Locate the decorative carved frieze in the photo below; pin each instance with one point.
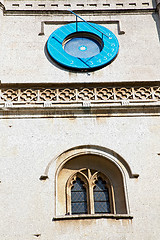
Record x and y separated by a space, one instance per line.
34 95
79 100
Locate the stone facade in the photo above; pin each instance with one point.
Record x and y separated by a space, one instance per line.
55 122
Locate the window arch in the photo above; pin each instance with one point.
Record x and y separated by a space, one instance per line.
89 167
89 191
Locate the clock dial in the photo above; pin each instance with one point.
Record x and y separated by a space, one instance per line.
81 46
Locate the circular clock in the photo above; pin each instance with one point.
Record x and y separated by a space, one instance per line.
82 46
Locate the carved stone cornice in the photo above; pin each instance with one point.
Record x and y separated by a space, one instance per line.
80 99
48 7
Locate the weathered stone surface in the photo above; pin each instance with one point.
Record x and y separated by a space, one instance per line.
44 127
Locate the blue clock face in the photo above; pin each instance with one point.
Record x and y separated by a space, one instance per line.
83 46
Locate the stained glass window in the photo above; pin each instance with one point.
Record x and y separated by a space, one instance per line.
78 197
101 197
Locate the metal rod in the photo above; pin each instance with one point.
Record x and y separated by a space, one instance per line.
77 16
76 25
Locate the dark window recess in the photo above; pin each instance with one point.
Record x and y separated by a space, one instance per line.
78 198
101 197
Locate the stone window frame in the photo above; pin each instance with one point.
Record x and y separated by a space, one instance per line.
89 180
109 162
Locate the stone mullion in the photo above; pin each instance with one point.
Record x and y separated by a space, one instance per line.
91 198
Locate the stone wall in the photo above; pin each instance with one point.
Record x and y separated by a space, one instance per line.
50 115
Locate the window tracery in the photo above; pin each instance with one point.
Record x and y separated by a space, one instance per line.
89 192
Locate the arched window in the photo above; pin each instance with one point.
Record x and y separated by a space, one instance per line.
101 197
100 177
89 191
78 197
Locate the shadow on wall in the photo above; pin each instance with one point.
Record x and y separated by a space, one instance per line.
51 60
54 63
157 21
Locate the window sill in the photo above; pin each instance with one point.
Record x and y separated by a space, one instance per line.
93 216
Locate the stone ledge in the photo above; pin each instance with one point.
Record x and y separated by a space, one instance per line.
81 112
62 5
93 216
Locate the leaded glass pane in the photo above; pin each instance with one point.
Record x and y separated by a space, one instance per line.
79 208
78 198
101 207
100 185
101 197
